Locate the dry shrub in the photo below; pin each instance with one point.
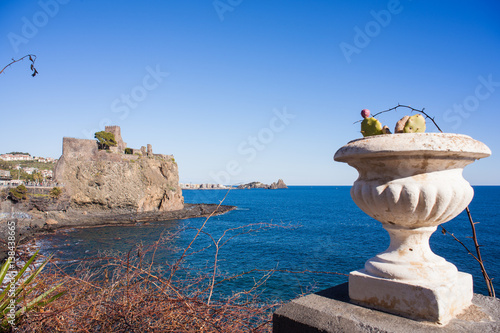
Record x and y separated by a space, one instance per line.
133 293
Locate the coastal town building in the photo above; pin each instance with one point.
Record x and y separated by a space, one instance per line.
16 157
11 183
48 174
5 175
29 168
27 157
45 159
30 171
191 186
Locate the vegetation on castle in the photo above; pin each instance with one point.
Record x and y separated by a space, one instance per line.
105 140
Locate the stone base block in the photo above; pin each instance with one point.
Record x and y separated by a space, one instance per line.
331 311
436 301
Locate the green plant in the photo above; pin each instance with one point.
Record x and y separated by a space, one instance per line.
18 153
371 126
37 177
16 297
19 193
105 139
18 174
55 192
415 124
129 151
365 113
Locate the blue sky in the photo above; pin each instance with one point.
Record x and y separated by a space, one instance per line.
247 90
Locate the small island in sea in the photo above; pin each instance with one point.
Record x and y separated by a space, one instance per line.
280 184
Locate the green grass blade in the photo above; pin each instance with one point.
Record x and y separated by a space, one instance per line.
3 271
38 300
34 274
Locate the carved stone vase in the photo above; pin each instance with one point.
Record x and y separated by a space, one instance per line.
412 183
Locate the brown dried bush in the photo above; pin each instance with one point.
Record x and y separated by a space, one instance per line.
130 293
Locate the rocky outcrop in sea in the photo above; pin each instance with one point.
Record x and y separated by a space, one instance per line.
276 185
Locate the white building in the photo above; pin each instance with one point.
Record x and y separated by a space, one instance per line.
30 171
16 157
47 173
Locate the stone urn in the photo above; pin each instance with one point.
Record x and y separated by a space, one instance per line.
412 183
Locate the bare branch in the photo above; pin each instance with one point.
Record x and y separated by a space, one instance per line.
487 279
196 236
31 57
412 110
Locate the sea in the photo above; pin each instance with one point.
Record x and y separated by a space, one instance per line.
308 237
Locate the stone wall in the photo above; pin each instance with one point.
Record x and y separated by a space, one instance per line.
79 148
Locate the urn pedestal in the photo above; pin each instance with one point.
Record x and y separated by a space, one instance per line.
411 183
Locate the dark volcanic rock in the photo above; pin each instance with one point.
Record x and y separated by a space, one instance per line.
279 184
253 185
28 224
273 186
47 204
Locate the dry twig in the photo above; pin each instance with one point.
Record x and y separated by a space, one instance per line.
31 57
412 110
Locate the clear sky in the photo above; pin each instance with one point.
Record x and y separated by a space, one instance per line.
245 91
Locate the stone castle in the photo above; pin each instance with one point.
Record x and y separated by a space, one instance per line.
86 149
115 130
138 180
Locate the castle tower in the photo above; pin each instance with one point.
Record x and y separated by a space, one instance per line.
118 137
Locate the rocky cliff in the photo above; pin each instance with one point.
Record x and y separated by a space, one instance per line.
103 180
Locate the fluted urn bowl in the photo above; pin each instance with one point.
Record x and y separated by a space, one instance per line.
412 179
412 182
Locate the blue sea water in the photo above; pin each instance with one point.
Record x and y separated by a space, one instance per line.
325 232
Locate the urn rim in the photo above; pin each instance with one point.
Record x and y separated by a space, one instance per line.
439 144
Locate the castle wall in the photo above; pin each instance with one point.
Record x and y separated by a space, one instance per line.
79 148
